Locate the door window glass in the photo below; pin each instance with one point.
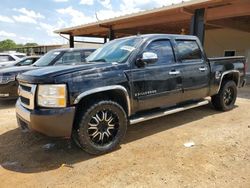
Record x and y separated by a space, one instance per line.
188 50
163 49
26 62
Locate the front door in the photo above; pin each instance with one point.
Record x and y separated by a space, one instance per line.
158 84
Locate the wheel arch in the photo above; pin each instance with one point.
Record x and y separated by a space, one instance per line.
233 75
116 92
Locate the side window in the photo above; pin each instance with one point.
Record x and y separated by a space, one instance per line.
69 58
85 54
11 58
26 62
188 50
163 49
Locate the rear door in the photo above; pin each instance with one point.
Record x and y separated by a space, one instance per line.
194 69
158 84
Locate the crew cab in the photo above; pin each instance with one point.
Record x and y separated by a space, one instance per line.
127 81
8 82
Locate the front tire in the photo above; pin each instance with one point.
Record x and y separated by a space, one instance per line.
101 127
225 99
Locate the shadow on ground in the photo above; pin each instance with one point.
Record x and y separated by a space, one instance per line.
244 92
6 104
24 152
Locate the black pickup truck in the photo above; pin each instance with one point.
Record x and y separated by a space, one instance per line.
127 81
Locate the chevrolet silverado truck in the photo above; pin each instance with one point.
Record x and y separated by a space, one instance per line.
127 81
9 84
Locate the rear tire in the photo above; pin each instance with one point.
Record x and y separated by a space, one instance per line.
225 99
101 127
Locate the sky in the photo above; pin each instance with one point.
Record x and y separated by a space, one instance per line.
35 20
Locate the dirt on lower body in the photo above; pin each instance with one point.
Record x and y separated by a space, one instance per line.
196 148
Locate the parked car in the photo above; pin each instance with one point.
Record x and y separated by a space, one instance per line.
21 62
127 81
9 84
10 57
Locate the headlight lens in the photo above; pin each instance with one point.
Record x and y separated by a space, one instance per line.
52 96
4 79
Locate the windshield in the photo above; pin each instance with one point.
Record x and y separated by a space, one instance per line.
48 58
115 51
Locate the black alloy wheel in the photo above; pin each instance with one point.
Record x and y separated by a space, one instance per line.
101 127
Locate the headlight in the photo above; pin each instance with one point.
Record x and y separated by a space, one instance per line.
4 79
52 96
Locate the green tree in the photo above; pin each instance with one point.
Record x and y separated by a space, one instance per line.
31 44
7 45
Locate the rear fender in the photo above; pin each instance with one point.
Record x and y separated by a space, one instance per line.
235 77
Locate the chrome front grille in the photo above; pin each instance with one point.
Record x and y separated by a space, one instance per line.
27 95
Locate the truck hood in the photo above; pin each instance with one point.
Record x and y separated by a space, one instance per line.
48 74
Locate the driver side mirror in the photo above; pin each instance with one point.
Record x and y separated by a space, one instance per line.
147 58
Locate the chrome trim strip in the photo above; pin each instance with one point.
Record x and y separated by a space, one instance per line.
225 58
106 88
22 112
24 93
168 112
29 95
228 72
174 72
203 68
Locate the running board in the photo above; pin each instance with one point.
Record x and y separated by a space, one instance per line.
167 112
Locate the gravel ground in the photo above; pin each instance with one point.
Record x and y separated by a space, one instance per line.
152 154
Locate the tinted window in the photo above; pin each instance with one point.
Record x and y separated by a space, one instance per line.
87 53
188 50
26 62
11 58
70 58
163 49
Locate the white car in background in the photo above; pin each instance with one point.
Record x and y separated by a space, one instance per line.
25 61
8 58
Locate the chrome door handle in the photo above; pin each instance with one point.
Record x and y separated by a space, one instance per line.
202 68
174 72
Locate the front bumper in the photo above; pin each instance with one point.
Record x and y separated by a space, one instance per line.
8 91
50 122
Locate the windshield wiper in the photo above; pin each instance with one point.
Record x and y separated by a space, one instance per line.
98 60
